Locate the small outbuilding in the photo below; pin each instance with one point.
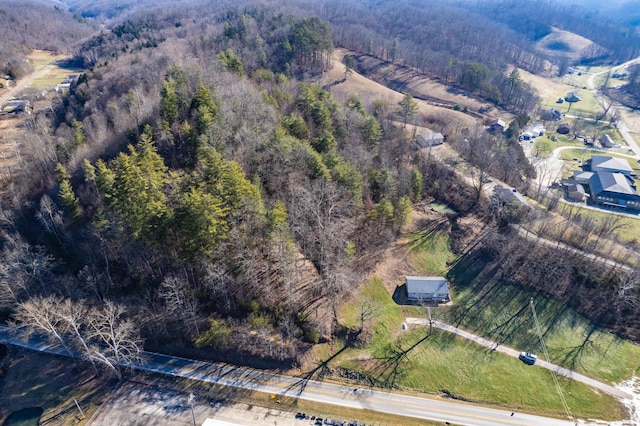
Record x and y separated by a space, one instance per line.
572 97
496 124
606 141
575 192
428 289
563 129
551 114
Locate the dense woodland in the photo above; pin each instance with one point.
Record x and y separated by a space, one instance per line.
42 27
196 192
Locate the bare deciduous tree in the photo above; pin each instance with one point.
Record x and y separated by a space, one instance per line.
116 339
180 301
40 314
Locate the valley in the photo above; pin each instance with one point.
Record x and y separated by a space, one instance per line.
223 185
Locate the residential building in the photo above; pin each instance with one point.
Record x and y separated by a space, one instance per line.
431 289
572 97
425 140
603 163
614 189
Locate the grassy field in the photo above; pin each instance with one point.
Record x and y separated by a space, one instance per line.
40 59
444 364
503 313
441 363
568 154
587 106
431 251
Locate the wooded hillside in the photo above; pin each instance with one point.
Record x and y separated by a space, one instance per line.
196 190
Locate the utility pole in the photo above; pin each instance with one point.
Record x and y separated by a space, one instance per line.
79 409
191 398
546 355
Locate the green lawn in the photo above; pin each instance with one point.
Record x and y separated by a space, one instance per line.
388 315
430 249
503 313
568 154
443 363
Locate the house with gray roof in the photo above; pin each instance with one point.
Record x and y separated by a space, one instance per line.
428 289
425 140
614 189
582 177
603 163
572 97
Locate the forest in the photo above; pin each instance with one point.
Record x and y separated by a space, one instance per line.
197 193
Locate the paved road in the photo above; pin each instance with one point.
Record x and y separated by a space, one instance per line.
23 83
362 398
515 353
622 128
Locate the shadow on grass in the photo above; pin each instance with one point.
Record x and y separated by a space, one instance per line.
389 367
426 238
487 302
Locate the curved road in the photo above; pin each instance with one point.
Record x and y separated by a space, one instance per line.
246 378
514 353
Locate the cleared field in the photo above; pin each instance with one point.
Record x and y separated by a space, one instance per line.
563 43
438 362
56 73
368 91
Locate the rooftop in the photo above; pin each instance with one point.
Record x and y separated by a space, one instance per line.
609 164
427 284
611 182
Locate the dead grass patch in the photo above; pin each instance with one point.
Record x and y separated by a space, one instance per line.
368 91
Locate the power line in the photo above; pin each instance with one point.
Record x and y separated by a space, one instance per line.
546 357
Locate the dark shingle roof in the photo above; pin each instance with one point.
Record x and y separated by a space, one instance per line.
611 182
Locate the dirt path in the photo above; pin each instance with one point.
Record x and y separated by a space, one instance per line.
495 346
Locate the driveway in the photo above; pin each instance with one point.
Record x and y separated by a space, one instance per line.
424 322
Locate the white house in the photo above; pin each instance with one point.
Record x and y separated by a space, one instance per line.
435 289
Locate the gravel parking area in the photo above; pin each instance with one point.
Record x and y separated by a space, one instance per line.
139 404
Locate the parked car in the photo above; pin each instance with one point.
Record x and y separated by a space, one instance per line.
528 358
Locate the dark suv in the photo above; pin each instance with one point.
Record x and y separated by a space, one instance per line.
528 358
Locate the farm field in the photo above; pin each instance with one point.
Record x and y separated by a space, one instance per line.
58 71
